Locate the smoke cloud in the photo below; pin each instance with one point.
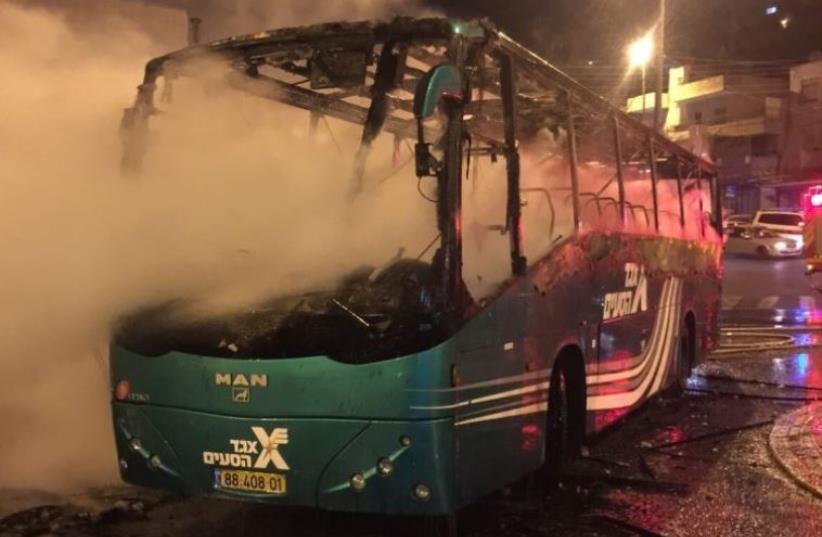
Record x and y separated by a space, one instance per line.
234 202
59 103
222 18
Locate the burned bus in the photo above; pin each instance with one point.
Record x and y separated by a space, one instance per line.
555 264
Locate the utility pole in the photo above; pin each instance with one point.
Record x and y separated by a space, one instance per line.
659 122
644 91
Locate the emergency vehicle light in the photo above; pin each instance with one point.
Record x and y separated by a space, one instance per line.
816 199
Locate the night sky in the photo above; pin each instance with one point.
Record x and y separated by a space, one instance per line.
572 31
575 31
587 38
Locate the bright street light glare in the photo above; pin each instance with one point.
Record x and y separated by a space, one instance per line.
641 51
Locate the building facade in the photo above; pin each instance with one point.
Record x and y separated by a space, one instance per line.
806 119
764 133
737 121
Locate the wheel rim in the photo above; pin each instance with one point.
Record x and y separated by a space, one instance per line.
558 422
562 416
687 347
684 361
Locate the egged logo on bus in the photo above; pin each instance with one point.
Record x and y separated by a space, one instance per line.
241 384
633 299
265 447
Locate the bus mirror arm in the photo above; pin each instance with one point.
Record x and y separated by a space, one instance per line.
442 84
426 164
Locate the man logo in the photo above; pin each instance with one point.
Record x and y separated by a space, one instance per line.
269 444
227 379
241 384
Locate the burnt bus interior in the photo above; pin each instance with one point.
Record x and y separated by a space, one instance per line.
513 154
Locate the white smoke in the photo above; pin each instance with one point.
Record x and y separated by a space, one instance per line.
230 17
233 202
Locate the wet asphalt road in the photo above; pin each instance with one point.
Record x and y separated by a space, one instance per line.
693 465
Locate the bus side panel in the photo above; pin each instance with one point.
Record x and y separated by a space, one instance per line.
631 328
490 368
707 297
503 382
640 354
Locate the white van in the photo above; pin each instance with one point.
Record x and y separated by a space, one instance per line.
783 223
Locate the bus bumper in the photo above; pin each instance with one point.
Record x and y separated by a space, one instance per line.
391 467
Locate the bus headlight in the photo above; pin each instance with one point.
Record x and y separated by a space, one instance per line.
422 492
135 445
357 482
385 466
154 462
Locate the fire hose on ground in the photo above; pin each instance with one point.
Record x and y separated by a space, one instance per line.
742 339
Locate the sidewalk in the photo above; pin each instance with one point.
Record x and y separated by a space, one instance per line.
796 442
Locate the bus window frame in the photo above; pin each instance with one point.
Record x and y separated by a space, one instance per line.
623 215
449 194
545 73
680 192
572 160
701 205
508 90
716 201
654 178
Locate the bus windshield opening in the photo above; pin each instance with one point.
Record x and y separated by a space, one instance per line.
345 260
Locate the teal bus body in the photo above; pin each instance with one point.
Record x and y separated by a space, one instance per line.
467 436
577 336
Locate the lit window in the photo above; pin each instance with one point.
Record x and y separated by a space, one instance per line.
810 89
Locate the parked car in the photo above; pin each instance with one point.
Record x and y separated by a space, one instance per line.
736 220
762 242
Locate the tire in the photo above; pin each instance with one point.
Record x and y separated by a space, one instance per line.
563 432
763 253
441 526
687 355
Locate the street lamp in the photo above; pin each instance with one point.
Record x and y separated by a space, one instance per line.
640 53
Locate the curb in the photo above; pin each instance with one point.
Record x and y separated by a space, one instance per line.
797 449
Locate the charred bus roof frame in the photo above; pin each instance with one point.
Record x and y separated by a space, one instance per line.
249 47
461 40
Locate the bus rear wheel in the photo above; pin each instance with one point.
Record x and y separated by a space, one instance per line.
687 352
563 438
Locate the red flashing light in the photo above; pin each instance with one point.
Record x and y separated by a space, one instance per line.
812 200
122 390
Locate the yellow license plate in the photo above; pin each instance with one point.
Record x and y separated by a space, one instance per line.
246 481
